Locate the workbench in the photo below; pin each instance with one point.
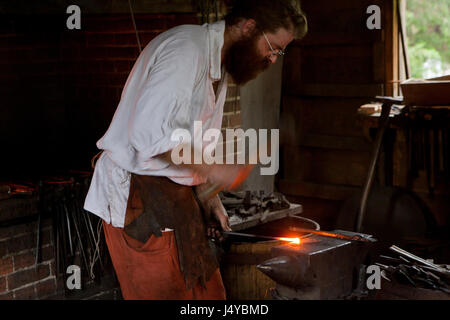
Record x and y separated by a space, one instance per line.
415 152
399 168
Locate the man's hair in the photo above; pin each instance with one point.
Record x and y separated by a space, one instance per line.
270 15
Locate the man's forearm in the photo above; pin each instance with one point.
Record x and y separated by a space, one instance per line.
210 203
220 176
198 168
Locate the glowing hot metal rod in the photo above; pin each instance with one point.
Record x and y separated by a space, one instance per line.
247 235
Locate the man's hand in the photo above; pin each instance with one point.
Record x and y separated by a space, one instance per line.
220 214
214 212
222 218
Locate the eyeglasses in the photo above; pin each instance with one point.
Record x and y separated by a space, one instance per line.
278 52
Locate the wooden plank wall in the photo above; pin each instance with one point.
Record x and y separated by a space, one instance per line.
328 75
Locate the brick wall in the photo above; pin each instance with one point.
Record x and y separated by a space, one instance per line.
24 277
20 277
232 108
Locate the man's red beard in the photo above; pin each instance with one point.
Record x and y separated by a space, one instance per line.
243 62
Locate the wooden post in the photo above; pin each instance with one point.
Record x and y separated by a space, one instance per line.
390 31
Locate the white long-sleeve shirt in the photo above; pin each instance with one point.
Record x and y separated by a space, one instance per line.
169 87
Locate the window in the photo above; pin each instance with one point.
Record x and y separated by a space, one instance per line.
428 37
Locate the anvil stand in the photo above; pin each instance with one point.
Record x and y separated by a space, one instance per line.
386 108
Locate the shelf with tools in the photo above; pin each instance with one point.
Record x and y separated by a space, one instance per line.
419 144
415 156
238 223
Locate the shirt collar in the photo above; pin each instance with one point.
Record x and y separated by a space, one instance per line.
216 33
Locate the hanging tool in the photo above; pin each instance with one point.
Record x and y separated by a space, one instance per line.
388 102
134 25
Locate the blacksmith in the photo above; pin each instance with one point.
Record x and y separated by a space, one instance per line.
155 223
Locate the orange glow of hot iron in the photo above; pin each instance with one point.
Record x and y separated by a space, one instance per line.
291 240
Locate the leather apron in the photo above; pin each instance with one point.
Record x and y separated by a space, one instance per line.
157 203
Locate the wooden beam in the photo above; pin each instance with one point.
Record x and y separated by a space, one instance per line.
390 29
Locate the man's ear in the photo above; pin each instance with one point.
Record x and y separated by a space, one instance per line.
248 27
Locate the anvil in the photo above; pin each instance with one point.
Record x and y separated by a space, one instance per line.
318 268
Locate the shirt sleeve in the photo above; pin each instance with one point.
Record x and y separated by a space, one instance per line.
163 103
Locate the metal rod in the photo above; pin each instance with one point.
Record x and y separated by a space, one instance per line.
66 212
134 25
78 235
418 259
91 237
38 233
248 235
88 217
334 235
